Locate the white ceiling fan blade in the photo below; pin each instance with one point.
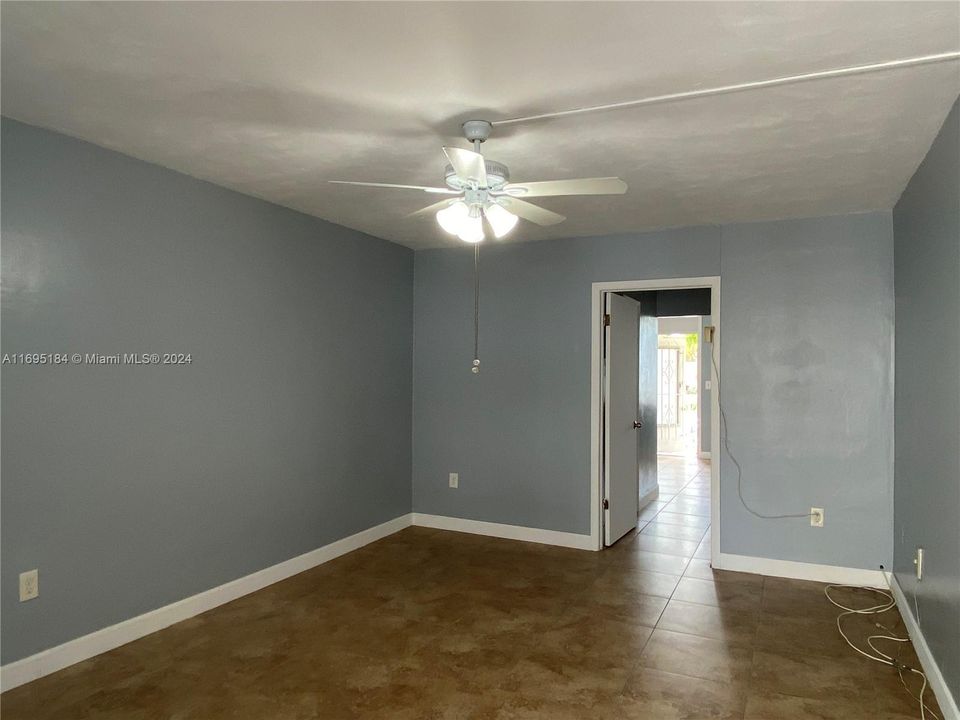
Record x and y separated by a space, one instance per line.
468 165
439 191
531 212
432 208
580 186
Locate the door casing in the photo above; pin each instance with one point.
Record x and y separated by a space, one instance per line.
597 291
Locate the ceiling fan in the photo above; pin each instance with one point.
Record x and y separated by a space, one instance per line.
483 191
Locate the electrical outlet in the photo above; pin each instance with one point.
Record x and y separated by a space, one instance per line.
454 480
708 385
29 585
816 517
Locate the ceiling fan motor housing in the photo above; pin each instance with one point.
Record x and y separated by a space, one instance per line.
497 176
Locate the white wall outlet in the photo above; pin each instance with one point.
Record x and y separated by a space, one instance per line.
816 517
454 480
29 585
708 385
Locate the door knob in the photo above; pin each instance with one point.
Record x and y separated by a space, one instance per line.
637 424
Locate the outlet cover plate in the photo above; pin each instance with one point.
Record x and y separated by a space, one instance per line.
454 480
816 517
29 585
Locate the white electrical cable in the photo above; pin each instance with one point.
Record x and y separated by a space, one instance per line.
741 87
733 459
889 603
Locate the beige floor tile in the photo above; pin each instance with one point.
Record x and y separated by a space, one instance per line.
665 545
679 519
677 532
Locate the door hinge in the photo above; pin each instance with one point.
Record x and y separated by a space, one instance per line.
606 320
606 504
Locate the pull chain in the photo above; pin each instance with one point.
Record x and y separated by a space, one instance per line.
476 309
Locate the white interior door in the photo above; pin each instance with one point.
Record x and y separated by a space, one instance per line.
621 415
647 403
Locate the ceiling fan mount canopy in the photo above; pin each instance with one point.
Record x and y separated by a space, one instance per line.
474 130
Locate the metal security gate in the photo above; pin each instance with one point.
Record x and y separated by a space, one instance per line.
669 371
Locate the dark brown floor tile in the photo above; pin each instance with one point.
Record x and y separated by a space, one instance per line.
734 596
797 598
667 696
702 570
650 562
697 657
618 579
892 698
810 676
802 635
774 706
625 606
737 627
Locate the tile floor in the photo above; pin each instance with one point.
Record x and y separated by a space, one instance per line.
433 624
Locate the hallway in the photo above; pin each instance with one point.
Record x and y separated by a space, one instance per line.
677 522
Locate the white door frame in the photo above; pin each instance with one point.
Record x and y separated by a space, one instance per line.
700 368
596 418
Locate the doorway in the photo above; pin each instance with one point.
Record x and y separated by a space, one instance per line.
683 419
659 398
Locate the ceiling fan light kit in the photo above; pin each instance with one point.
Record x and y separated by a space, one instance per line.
485 198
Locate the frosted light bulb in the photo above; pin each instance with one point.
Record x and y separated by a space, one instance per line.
471 229
500 219
451 218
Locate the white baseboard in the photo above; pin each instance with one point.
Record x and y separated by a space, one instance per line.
510 532
100 641
948 703
803 571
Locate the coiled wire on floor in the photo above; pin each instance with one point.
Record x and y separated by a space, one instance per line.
874 653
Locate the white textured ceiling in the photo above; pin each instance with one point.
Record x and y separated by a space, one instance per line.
273 99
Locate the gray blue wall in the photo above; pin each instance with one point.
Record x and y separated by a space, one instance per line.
806 343
519 432
811 298
926 224
132 487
